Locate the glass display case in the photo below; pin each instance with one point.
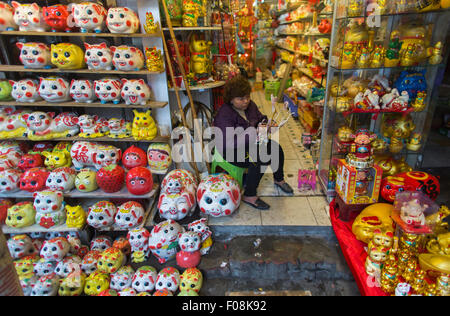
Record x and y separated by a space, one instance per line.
385 57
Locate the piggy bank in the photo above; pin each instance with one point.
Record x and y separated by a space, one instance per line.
29 161
139 181
122 279
54 89
13 124
48 201
5 89
129 215
135 92
44 267
189 256
110 260
43 126
374 217
159 157
168 279
7 22
46 286
85 181
218 195
55 249
163 240
82 91
177 181
94 154
58 17
144 279
20 246
101 214
34 55
9 180
191 280
101 243
25 90
411 82
96 283
76 216
5 204
98 56
89 262
29 17
61 179
33 179
69 264
200 226
144 126
134 157
127 58
89 16
123 244
26 282
67 56
122 20
138 239
21 215
119 128
59 156
73 285
90 126
108 90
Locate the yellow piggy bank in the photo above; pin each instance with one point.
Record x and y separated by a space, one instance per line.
67 56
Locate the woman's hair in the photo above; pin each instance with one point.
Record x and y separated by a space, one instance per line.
236 87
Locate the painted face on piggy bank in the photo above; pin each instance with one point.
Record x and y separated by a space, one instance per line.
101 214
21 215
85 181
96 283
191 280
122 20
168 279
89 263
58 18
67 56
29 161
108 90
25 90
48 201
33 179
54 89
129 215
218 195
55 249
127 58
163 240
176 206
134 157
139 181
72 285
44 267
110 260
20 246
89 16
5 90
9 180
34 55
98 56
29 17
61 179
82 90
135 91
7 13
46 286
144 279
190 241
122 279
159 157
69 264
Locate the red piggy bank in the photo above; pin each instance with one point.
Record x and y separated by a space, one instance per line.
134 157
324 26
139 181
58 18
33 179
29 161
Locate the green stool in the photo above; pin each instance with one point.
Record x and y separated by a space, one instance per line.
235 172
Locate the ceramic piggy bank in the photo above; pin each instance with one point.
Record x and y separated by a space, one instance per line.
20 246
110 260
29 161
29 17
129 215
96 283
7 17
82 90
200 227
159 156
119 128
73 285
127 58
94 154
89 16
90 126
163 240
144 126
138 239
168 279
76 216
5 92
85 181
58 17
218 195
44 267
101 243
54 89
25 90
69 264
122 20
43 126
9 180
61 179
34 55
191 280
98 56
108 90
55 249
21 215
46 286
144 279
189 256
67 56
59 156
101 214
122 279
135 91
89 262
139 181
33 179
49 206
134 157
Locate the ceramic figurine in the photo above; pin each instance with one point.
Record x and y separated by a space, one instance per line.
108 90
134 157
89 263
5 89
138 239
85 180
375 258
139 181
175 8
68 265
44 267
191 280
110 178
7 22
168 279
25 90
135 92
46 286
436 55
13 124
144 279
89 16
369 100
55 249
54 89
98 56
123 244
101 214
29 161
122 20
82 91
122 279
411 82
395 101
73 285
26 282
34 55
58 17
21 215
33 179
348 56
218 195
59 157
101 243
61 179
200 227
419 102
20 246
67 56
119 128
200 65
377 57
144 126
76 216
9 180
154 60
127 58
392 58
191 12
129 215
159 157
414 142
402 289
29 17
96 283
49 206
150 26
163 240
412 213
94 154
189 256
90 126
110 261
43 126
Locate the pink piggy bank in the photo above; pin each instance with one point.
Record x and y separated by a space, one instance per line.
89 16
94 154
54 89
34 55
29 17
82 91
122 20
98 56
25 90
127 58
135 91
7 17
108 90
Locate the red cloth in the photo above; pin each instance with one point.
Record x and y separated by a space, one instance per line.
354 253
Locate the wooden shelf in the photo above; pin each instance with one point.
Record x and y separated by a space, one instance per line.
20 68
317 80
79 34
36 228
209 85
149 105
157 139
196 28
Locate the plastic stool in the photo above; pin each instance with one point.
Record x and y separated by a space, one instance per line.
236 173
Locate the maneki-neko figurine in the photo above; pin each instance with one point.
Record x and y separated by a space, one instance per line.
154 60
150 26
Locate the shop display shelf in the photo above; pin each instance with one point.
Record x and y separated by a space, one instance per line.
288 49
303 34
344 17
307 18
149 105
80 34
157 139
350 70
209 85
195 28
321 82
20 68
36 228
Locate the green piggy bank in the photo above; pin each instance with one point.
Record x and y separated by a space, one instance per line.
5 91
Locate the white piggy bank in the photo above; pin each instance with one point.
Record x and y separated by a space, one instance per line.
54 89
34 55
108 90
61 179
98 56
9 180
89 16
129 215
7 17
47 285
127 58
135 91
122 20
163 240
94 154
55 249
82 90
29 17
25 90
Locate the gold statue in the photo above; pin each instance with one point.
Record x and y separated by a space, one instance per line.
442 285
436 220
418 283
150 26
436 55
419 103
389 272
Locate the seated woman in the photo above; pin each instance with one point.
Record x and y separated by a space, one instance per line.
238 120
